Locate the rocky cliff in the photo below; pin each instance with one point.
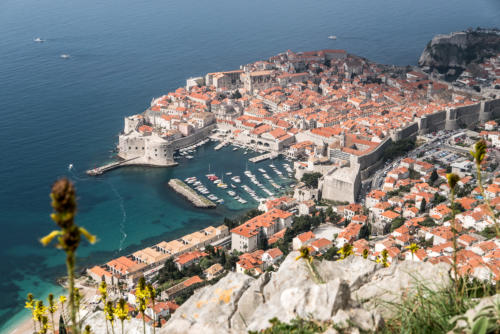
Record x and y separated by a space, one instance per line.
351 296
459 49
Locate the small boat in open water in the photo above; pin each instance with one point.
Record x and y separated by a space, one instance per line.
65 56
332 37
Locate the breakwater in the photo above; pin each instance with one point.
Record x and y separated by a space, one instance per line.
196 199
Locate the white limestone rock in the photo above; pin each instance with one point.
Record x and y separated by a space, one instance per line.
389 284
211 308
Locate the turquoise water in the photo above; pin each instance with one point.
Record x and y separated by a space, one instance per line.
123 53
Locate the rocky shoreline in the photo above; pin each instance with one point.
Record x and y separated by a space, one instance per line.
196 199
451 54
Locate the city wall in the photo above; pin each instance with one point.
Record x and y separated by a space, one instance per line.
192 139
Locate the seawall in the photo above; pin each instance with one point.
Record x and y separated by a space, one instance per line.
196 199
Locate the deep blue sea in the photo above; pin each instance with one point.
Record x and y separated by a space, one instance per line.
57 111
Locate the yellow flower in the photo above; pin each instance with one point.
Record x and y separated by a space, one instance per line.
62 299
87 330
121 310
52 306
110 312
413 248
365 253
452 180
345 251
90 237
48 238
29 301
480 152
305 254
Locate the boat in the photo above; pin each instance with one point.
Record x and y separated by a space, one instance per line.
233 186
189 157
235 149
65 56
38 40
229 173
332 37
70 166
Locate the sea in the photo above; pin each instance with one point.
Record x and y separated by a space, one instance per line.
58 111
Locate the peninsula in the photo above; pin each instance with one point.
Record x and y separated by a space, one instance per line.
373 147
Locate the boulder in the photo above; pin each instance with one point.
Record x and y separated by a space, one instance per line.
211 308
389 284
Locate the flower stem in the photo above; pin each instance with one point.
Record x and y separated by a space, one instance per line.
70 264
486 200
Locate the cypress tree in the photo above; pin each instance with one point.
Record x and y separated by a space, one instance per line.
62 327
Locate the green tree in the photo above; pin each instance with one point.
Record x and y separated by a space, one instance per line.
434 176
397 222
311 179
423 205
62 327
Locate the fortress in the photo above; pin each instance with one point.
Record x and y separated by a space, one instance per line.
152 147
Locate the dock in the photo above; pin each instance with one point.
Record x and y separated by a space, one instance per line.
263 157
221 145
196 199
112 165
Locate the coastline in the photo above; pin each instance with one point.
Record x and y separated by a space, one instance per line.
24 322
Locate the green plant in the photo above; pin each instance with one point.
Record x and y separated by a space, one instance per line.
63 197
486 321
296 326
52 309
305 254
424 310
479 154
345 251
121 311
452 182
151 292
142 295
413 248
30 305
103 292
109 311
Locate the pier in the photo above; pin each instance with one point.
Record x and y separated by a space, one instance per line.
263 157
196 199
108 167
221 145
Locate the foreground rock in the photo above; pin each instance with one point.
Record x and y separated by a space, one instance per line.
353 288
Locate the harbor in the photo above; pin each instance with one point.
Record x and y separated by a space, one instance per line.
247 185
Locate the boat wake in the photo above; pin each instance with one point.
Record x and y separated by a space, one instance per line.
123 234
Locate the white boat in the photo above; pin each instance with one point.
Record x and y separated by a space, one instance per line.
332 37
262 170
229 173
233 186
70 166
65 56
189 157
38 40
